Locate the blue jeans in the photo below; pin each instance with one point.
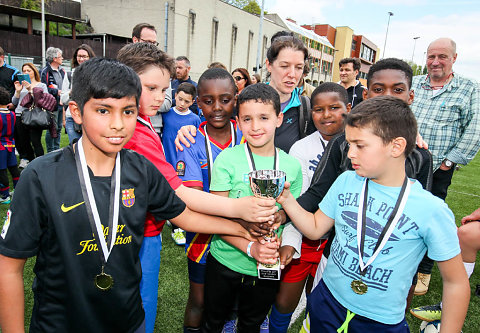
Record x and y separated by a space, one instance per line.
72 134
54 143
150 262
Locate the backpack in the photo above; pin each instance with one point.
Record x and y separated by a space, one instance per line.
304 117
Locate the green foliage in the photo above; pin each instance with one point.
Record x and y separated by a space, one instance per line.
64 29
238 3
83 28
252 7
31 4
417 69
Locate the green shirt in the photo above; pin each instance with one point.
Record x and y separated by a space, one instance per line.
230 173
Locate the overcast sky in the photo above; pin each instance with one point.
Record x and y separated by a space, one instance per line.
427 19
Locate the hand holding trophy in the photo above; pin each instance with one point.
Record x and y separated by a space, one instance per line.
268 184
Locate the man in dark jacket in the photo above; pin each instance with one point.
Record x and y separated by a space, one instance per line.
8 74
52 75
349 69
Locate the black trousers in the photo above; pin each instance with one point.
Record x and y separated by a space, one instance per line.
222 288
441 181
28 140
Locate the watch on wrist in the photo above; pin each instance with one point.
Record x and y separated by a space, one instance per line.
448 163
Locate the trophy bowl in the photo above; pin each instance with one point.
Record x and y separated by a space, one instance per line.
267 183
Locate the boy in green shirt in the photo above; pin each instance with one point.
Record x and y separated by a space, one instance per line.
232 263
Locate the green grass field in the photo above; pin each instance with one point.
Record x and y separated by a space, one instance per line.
463 198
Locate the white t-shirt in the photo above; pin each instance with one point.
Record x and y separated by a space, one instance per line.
308 151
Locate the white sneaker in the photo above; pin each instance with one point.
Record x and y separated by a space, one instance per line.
23 163
5 200
178 236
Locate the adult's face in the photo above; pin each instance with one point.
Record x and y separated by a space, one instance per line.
58 59
181 70
286 70
82 56
146 36
440 59
347 73
2 60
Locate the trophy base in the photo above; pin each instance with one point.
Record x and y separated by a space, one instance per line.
269 272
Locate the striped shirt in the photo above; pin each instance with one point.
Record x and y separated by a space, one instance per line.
448 119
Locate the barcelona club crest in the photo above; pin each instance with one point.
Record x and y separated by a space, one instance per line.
128 197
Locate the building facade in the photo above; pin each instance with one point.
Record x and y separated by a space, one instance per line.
204 31
348 45
320 50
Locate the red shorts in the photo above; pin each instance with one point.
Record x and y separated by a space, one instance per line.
307 264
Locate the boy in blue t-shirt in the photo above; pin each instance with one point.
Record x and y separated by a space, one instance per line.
382 230
231 272
216 97
178 116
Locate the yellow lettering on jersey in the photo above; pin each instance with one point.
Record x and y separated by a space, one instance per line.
90 245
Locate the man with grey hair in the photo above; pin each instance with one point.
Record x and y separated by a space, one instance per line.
447 108
52 75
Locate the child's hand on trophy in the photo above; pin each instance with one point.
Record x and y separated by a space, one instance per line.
286 195
266 253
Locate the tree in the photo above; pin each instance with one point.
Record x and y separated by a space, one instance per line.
417 69
238 3
252 7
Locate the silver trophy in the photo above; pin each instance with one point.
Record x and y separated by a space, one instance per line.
268 184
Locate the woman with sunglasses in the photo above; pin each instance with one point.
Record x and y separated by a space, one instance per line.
242 79
82 53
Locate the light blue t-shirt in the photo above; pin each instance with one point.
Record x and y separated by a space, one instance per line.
426 223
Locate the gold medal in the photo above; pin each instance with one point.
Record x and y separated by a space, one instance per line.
359 287
103 281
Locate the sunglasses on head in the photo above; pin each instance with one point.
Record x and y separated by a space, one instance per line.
238 78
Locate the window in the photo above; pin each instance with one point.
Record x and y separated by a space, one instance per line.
213 48
354 45
233 44
250 39
367 53
190 30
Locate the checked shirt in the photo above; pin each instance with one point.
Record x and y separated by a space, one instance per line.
448 119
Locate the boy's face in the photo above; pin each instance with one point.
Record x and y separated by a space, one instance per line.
327 113
258 122
183 101
216 98
370 156
107 123
389 82
155 82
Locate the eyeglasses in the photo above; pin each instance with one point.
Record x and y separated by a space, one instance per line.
83 57
238 78
149 41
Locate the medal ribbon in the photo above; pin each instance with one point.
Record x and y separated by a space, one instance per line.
387 230
251 161
208 149
92 212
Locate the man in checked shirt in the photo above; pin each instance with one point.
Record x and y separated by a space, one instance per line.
447 108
